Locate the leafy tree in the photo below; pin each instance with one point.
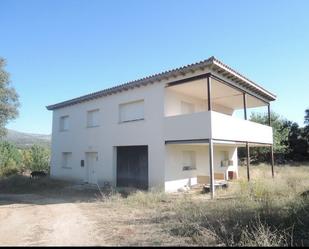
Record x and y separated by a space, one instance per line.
36 158
280 130
306 117
296 142
10 159
9 152
280 135
8 99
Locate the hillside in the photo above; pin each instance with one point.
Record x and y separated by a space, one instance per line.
23 140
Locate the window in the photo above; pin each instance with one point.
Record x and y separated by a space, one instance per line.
186 108
188 160
64 123
66 159
93 118
225 159
131 111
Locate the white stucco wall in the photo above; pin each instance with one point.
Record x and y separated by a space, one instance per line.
176 178
233 128
188 126
80 139
173 101
161 123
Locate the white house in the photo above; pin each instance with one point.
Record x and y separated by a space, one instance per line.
168 130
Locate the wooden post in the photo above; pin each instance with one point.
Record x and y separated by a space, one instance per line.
268 109
245 105
211 170
209 93
248 161
272 162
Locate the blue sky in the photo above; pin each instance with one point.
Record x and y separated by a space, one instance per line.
57 50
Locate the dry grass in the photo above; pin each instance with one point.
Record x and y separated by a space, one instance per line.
20 184
263 212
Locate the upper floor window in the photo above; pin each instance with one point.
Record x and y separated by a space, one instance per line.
64 123
131 111
186 107
93 118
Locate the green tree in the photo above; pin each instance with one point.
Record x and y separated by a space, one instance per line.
280 135
36 158
296 142
8 99
10 159
280 130
306 117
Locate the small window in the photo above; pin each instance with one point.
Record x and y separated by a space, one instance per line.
64 123
188 160
93 118
186 107
131 111
66 160
224 155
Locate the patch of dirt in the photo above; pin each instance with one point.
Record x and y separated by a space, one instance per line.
35 220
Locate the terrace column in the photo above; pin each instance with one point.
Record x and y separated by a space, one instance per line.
211 150
272 147
245 105
209 93
272 162
268 110
248 161
211 169
247 144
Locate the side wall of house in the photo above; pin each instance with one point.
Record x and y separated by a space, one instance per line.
110 133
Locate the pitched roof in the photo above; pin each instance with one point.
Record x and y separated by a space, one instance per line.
212 62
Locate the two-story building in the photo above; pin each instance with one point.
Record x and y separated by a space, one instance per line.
169 130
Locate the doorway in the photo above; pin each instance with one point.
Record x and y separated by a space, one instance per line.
91 167
132 166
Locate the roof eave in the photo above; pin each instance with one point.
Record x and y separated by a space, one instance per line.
211 62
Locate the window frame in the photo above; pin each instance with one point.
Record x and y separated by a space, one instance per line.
61 123
87 120
184 103
128 103
67 165
194 164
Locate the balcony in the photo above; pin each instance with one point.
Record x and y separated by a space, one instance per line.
200 109
215 125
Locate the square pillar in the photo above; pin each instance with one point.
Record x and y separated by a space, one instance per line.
272 161
211 169
248 161
209 93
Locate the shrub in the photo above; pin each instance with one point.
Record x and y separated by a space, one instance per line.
10 159
36 158
9 168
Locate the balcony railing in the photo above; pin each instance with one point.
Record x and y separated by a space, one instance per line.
211 124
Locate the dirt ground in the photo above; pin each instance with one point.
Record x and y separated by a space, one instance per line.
33 220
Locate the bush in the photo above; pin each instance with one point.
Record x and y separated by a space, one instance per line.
15 161
36 158
9 168
10 159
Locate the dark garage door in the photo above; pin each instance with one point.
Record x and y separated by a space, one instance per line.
132 166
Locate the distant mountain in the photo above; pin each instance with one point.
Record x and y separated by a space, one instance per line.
23 140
